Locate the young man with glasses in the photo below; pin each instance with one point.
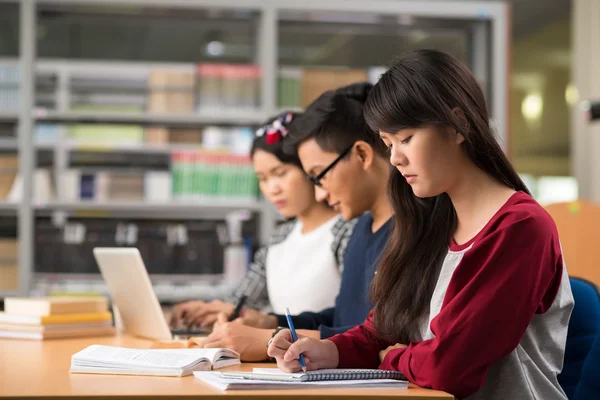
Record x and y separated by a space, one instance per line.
349 166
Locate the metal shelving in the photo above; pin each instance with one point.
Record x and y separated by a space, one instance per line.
12 144
200 209
8 116
484 41
8 207
217 117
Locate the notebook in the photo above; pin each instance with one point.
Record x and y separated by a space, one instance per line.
97 359
273 378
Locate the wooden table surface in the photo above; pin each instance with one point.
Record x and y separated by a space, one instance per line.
35 369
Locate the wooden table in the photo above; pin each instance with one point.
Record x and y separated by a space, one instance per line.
35 369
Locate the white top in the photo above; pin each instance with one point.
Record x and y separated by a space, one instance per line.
302 273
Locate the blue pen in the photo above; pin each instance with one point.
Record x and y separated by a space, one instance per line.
294 336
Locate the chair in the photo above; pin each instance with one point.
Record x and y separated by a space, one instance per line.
584 327
589 384
578 226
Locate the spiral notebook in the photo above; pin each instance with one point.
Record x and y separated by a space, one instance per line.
273 378
327 375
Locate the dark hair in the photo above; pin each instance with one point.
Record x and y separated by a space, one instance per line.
426 87
335 120
260 141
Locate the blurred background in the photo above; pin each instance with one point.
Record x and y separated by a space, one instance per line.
128 123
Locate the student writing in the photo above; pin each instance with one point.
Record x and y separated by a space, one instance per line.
349 167
472 295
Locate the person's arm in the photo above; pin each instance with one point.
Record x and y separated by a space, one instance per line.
308 320
502 282
342 231
254 284
328 331
359 347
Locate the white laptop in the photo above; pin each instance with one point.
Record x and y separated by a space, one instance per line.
130 288
131 291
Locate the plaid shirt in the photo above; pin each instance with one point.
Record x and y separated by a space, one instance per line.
254 284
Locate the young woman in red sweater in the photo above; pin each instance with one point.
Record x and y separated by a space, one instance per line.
472 295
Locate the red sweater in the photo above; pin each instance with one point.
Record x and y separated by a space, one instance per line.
492 287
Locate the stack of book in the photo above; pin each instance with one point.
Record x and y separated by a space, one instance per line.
55 317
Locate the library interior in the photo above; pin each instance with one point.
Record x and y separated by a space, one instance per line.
151 226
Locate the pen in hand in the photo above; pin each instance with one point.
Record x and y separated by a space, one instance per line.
288 317
238 308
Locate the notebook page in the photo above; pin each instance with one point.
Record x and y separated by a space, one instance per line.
169 358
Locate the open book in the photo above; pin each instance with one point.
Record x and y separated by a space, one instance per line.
97 359
273 378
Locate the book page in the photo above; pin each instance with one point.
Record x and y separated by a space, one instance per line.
171 358
277 371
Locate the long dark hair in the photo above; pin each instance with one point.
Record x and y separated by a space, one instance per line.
261 138
336 121
426 87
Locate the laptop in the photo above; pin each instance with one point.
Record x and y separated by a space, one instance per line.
130 288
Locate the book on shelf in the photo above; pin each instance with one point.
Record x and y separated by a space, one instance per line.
171 90
298 87
9 167
185 136
315 81
101 186
9 87
124 187
289 87
46 306
160 135
47 133
9 264
42 183
97 359
157 186
227 86
198 175
105 134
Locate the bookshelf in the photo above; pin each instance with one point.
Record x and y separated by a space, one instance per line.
231 117
158 95
9 117
8 207
217 209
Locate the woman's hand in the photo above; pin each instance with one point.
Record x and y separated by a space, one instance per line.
318 354
383 353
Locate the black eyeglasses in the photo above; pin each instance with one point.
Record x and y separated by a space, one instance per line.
316 180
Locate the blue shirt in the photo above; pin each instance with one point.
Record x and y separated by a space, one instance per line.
352 306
